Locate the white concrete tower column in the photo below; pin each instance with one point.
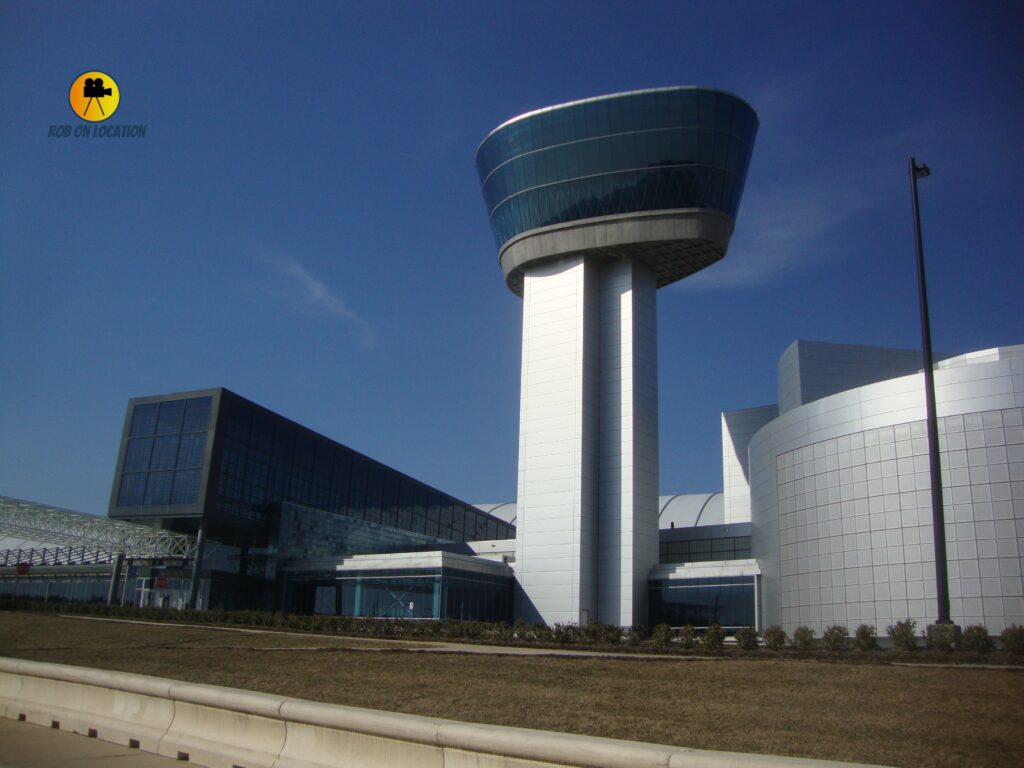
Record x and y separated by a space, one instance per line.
594 204
628 467
558 445
587 530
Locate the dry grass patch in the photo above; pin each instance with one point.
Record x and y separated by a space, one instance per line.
864 713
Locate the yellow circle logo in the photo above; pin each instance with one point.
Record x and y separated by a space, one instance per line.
94 96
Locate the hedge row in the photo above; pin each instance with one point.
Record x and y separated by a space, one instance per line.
835 639
902 635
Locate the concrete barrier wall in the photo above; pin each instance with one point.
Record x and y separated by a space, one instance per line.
227 728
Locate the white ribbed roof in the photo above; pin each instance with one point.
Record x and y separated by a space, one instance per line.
686 510
681 510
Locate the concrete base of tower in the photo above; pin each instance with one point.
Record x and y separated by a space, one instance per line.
587 530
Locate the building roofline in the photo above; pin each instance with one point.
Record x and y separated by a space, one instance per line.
577 102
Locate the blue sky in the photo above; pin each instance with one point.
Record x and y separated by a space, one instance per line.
303 224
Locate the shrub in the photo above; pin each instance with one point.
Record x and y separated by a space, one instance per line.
746 638
834 637
803 639
506 635
637 634
662 635
775 637
566 633
688 637
942 637
902 635
976 638
604 634
714 638
542 633
866 639
1013 639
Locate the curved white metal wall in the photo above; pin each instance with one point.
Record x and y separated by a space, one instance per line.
841 508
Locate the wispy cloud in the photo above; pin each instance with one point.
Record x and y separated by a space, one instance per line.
787 223
307 293
806 190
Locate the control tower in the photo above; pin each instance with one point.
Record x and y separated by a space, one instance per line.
596 204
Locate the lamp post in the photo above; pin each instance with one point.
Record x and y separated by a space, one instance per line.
938 514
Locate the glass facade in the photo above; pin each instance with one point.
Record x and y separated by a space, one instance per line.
143 587
270 490
643 151
258 459
427 593
73 588
261 458
704 550
305 533
163 458
724 600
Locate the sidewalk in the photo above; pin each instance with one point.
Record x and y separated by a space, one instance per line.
34 746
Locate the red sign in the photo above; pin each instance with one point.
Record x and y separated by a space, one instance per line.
23 569
161 582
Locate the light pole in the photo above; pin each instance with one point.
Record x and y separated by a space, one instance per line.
938 514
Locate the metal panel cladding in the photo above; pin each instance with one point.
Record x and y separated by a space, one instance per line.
661 149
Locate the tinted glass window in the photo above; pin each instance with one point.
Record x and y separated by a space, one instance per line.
389 502
405 505
419 511
180 427
340 483
728 601
186 487
357 492
373 495
197 414
446 519
144 419
158 488
169 420
136 458
133 489
165 452
191 450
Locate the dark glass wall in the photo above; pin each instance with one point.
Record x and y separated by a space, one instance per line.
261 458
643 151
726 600
703 550
468 596
269 489
305 533
258 458
163 457
426 593
392 594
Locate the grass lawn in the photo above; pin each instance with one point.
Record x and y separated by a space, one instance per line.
869 713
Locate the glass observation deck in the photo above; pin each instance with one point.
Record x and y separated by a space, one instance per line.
670 148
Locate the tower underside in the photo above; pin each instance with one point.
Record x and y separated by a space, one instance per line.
671 243
588 441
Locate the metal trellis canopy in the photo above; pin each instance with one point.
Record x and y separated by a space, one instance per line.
94 537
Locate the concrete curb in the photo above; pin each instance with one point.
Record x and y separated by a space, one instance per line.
228 728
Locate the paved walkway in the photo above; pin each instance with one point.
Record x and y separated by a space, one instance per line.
24 745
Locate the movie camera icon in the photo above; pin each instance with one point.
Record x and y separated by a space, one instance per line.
93 90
